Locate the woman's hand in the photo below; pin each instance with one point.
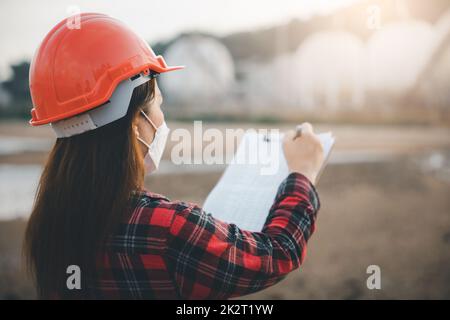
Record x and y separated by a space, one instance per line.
304 154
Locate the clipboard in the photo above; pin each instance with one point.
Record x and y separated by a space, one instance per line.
248 186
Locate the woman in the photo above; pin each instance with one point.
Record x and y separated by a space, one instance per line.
96 85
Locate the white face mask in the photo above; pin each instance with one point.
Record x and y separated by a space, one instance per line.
156 148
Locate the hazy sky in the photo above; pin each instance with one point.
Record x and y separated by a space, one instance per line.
23 23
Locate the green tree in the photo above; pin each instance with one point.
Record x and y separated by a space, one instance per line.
17 87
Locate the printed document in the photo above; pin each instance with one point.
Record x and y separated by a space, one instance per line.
247 188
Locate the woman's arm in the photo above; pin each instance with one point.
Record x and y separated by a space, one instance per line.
211 259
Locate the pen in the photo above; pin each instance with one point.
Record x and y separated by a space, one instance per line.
298 132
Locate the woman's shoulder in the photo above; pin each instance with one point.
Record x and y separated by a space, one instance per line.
155 209
145 226
143 196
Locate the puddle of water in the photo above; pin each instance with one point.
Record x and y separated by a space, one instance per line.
436 163
13 145
17 188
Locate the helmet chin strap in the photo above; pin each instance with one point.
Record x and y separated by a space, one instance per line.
110 111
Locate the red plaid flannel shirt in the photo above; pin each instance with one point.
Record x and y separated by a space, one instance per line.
174 250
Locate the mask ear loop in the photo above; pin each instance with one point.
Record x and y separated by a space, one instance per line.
148 119
142 141
151 122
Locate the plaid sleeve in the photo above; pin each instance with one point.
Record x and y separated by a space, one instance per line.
211 259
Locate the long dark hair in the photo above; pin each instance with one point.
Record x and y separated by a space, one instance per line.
83 194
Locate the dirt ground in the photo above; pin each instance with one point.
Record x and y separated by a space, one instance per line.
388 215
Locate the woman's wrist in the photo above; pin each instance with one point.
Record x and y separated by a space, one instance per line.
309 175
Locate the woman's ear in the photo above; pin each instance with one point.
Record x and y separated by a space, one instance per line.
136 131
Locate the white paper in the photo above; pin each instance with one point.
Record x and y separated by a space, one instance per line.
248 187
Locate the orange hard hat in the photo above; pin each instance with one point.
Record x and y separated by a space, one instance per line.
77 69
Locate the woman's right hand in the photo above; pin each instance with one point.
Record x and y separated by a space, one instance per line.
304 154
